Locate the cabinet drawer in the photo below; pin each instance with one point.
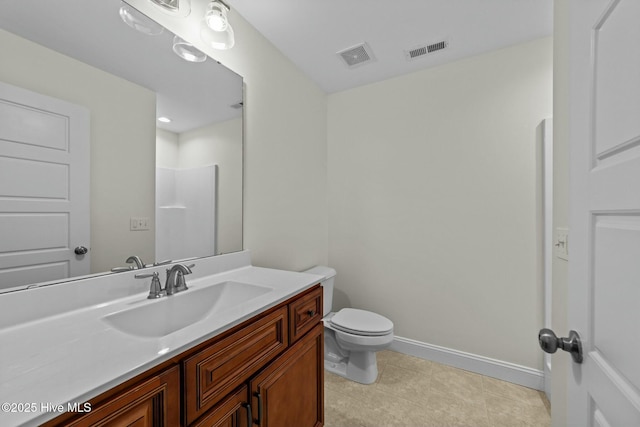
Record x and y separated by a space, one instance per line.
215 371
305 313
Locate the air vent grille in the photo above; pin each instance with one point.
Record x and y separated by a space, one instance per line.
422 50
436 46
357 55
418 52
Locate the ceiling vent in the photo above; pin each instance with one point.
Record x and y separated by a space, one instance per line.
423 50
357 55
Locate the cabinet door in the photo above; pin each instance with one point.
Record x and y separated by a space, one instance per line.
233 411
216 371
290 391
154 402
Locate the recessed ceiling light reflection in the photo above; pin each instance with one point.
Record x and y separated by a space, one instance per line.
164 119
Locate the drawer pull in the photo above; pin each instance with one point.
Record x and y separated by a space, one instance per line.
249 414
259 420
311 313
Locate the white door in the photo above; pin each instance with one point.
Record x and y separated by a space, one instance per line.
547 238
44 188
604 267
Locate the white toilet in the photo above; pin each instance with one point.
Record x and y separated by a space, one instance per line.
351 336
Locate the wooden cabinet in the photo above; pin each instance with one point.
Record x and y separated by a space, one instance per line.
153 402
286 391
215 371
290 391
305 313
265 372
232 411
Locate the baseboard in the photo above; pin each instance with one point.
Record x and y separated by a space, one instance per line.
521 375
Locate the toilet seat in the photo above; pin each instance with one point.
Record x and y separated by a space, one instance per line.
361 322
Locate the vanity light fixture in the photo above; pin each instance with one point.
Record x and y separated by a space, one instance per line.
180 8
215 29
187 51
138 21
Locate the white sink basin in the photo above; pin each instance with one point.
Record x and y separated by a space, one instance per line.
171 313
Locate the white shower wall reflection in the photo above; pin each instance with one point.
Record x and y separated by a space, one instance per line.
185 212
198 173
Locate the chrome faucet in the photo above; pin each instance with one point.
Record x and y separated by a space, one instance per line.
135 259
175 278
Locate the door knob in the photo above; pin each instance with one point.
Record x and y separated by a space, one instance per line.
549 342
80 250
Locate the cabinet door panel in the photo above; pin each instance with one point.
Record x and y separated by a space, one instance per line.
153 403
216 371
290 391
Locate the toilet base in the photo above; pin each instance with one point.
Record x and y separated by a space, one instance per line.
360 367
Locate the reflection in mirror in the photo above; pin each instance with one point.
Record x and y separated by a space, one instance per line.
158 191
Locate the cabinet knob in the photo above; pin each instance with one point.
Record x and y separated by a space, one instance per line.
311 313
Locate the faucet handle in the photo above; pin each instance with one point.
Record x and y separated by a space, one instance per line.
155 291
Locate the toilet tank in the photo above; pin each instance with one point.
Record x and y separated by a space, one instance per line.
329 275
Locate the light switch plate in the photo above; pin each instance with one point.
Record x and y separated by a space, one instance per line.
561 243
139 224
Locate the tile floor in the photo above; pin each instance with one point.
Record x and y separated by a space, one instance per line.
412 392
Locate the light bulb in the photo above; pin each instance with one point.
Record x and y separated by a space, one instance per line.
215 29
216 17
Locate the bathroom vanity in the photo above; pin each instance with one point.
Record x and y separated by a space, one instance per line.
252 361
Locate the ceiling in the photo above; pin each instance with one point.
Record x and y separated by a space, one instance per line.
310 33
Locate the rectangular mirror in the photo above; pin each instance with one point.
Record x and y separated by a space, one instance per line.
156 190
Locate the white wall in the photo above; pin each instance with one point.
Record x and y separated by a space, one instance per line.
167 149
285 220
121 112
432 201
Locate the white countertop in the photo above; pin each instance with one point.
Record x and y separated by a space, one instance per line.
73 356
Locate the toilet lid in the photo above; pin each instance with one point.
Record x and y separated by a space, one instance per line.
361 322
